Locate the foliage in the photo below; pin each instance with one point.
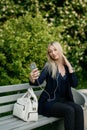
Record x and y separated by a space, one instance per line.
15 8
74 18
28 26
22 41
8 9
72 15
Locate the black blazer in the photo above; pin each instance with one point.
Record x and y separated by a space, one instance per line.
44 103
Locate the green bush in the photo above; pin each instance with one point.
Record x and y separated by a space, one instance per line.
24 35
74 18
22 41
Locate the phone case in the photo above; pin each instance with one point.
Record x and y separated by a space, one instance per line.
33 66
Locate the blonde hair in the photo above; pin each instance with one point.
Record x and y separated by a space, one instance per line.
52 67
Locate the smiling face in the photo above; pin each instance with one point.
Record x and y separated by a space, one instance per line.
53 53
54 56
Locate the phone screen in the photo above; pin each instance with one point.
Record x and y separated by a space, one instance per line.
33 66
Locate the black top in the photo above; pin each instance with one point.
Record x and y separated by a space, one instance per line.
56 90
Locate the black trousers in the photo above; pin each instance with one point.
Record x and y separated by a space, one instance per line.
72 114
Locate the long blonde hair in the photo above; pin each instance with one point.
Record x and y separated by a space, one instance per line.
52 67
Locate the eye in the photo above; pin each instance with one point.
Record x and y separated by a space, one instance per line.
55 49
49 52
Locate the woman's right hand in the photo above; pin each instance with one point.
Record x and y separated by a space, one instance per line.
34 75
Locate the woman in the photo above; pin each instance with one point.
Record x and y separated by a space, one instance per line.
57 100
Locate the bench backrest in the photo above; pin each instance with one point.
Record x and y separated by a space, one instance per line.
9 94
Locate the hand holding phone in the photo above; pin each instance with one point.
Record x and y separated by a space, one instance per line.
34 72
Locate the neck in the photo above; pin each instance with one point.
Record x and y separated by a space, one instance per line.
59 63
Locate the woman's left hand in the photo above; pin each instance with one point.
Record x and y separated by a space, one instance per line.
67 63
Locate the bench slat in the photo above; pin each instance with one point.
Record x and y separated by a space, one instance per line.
6 108
11 88
8 120
21 125
40 122
13 122
5 118
16 87
14 97
10 98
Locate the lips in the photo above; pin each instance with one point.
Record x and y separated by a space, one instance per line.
55 57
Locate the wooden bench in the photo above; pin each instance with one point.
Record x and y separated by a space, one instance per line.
8 96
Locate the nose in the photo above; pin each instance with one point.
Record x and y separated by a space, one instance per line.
53 52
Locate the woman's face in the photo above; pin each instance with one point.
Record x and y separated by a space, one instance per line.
53 53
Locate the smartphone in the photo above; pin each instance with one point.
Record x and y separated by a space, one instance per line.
33 66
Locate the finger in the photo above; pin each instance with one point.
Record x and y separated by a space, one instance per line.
35 70
37 73
36 77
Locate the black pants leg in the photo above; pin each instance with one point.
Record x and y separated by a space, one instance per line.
79 117
72 114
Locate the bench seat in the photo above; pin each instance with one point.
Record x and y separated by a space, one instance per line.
9 95
13 123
